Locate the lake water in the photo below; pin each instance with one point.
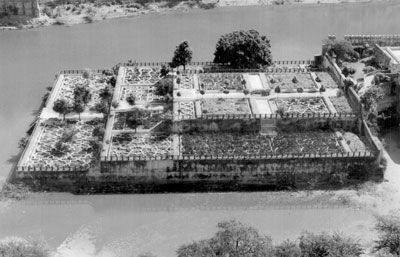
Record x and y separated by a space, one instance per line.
100 225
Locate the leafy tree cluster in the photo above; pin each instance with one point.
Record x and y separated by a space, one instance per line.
182 55
22 248
234 239
165 87
343 50
243 49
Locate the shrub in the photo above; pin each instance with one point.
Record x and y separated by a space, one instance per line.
86 73
300 89
68 134
264 93
60 148
246 92
23 142
287 249
318 79
98 131
19 247
115 104
322 89
277 89
226 91
178 93
131 99
273 81
295 80
164 70
339 93
178 80
202 92
344 50
281 111
326 245
164 86
101 107
388 228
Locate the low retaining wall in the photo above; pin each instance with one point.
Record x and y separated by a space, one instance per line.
221 175
383 40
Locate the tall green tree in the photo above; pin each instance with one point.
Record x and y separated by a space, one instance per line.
243 49
61 106
79 107
233 239
182 55
82 92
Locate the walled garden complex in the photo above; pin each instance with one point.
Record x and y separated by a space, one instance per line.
292 125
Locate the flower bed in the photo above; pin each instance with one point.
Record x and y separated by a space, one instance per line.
301 105
138 118
319 142
186 82
141 76
141 93
341 104
213 106
225 144
78 151
186 110
95 82
145 145
221 81
326 80
285 81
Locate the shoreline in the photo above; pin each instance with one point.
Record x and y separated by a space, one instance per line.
73 14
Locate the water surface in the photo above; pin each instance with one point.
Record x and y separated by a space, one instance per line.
119 224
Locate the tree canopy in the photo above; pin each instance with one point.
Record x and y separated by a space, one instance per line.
243 49
61 106
182 55
343 49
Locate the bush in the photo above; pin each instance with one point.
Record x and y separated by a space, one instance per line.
164 86
322 89
202 92
287 249
131 99
312 245
115 104
164 70
226 91
98 131
16 247
101 107
178 93
277 89
318 79
60 148
388 228
246 92
295 80
300 89
67 135
86 73
343 49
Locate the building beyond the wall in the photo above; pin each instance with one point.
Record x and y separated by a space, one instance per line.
22 8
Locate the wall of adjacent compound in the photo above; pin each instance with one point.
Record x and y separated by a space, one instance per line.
22 8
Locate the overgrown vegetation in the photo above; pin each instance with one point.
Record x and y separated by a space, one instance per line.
343 50
243 49
15 247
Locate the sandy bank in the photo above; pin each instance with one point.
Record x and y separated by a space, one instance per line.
70 14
